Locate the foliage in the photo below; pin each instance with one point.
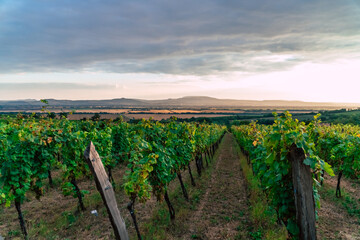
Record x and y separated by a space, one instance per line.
268 148
30 148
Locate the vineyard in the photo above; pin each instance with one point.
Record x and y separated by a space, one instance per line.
41 154
324 147
155 154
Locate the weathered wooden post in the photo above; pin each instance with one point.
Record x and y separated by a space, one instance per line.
105 188
303 192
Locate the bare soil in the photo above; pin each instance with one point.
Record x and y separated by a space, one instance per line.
334 221
223 209
56 216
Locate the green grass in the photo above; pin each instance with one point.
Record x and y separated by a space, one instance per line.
14 233
347 201
262 216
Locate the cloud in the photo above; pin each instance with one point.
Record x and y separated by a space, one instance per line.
174 37
51 86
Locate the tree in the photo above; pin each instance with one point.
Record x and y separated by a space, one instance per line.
96 117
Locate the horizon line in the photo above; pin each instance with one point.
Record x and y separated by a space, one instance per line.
164 99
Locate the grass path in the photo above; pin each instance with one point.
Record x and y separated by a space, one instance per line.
223 211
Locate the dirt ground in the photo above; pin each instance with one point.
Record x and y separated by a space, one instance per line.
223 210
351 186
334 222
56 216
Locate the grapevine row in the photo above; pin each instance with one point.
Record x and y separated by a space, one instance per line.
268 149
155 154
340 145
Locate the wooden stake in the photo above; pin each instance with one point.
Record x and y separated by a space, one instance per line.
303 192
106 190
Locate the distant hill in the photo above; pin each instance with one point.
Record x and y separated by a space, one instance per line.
185 102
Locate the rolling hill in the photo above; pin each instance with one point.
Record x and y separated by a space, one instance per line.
184 102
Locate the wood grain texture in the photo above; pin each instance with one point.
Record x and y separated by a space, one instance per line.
303 192
106 190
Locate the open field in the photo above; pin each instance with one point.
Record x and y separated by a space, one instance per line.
166 116
155 116
159 114
219 115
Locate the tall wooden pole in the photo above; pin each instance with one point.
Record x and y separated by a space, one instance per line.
303 192
105 188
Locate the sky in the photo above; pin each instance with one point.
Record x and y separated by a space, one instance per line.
239 49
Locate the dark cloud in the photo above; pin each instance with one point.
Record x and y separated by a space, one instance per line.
177 37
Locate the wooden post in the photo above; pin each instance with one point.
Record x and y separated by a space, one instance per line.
303 192
107 193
